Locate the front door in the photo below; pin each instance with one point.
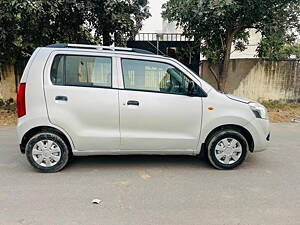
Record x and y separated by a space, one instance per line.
156 113
80 99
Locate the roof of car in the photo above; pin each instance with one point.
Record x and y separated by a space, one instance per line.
121 50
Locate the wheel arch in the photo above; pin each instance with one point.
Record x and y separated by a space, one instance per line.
235 127
33 131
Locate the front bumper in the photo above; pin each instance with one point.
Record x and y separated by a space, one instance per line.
260 132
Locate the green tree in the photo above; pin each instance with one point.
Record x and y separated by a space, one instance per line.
118 19
27 24
280 33
219 24
43 22
9 38
290 50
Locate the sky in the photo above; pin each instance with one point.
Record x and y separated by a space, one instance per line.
154 23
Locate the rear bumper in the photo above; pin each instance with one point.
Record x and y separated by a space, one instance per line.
260 132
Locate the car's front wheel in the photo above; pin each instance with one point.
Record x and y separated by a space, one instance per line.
227 149
47 152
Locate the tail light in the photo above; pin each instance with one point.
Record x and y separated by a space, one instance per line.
21 107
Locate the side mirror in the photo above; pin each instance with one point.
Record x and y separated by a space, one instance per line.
195 91
191 88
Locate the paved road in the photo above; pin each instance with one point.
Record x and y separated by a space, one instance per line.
154 189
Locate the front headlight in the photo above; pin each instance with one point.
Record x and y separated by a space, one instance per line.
258 110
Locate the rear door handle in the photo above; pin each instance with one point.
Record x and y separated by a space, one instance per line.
133 102
61 98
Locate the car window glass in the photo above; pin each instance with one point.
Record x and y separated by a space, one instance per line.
82 70
90 71
154 76
57 71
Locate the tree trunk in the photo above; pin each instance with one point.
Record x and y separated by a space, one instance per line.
224 66
106 36
118 39
210 67
106 39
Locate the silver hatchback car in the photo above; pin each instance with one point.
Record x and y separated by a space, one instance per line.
96 100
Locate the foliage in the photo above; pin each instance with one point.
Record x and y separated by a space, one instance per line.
45 22
8 27
290 50
27 24
277 51
120 19
218 24
280 32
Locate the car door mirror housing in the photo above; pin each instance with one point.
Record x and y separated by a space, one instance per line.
195 91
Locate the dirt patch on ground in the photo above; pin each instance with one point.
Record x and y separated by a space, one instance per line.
283 112
8 117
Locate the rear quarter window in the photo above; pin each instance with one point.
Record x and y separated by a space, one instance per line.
57 70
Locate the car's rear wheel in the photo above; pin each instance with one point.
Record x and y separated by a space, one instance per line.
47 152
227 149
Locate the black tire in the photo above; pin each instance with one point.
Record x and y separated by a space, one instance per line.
64 152
216 138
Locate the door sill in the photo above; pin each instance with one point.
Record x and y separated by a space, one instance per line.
134 152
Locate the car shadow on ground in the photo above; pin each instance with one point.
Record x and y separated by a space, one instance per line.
144 161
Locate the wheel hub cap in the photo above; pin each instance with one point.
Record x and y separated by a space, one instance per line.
228 151
46 153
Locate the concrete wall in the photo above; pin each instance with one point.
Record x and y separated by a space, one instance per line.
261 79
7 82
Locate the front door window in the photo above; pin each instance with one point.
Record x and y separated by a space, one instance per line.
154 76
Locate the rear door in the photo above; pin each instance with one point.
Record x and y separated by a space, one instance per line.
81 99
156 113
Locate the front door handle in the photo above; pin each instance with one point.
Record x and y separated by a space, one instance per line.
61 98
133 102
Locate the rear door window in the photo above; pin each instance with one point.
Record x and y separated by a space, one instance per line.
75 70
